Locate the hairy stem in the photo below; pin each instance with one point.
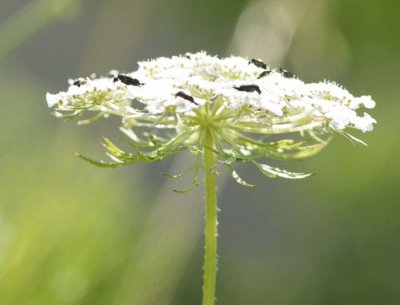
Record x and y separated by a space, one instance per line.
210 256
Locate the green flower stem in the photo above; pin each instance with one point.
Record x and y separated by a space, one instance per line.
210 256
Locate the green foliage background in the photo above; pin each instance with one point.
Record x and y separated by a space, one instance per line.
74 234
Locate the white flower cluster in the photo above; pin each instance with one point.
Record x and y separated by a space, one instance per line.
181 84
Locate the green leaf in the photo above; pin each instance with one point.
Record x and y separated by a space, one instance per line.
67 116
240 180
154 140
99 163
195 182
130 133
184 173
188 189
274 172
117 152
294 153
91 120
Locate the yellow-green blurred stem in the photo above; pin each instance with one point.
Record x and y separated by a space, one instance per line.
210 256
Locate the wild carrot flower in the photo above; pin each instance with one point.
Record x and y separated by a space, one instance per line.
252 112
223 110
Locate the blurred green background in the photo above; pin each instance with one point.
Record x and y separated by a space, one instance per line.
71 233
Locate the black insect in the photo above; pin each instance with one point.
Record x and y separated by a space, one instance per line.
258 63
264 73
249 88
79 82
186 97
286 74
127 80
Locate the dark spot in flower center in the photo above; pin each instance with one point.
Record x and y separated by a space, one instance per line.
186 97
249 88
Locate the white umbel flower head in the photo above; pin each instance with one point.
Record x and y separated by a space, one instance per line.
238 101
